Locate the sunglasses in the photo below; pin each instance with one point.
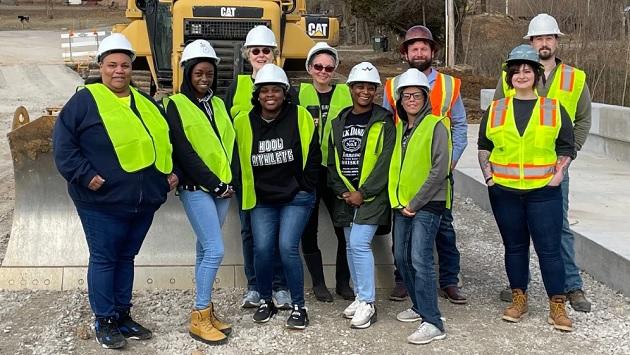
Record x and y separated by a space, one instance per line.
319 67
416 96
265 50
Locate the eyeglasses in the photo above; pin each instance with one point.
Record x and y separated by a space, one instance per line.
319 67
416 96
265 50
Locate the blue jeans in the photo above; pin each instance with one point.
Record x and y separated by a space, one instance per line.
206 214
448 254
573 279
247 239
361 260
114 239
536 213
415 237
280 226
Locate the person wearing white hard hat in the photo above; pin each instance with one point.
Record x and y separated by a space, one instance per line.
111 144
525 147
567 84
324 100
260 48
203 141
419 192
278 166
418 50
359 151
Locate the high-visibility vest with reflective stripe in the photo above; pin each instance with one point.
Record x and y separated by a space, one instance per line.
567 86
369 155
139 142
215 151
245 141
340 99
409 171
242 100
526 162
444 93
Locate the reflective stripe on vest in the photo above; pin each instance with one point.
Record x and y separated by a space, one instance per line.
409 171
526 162
567 86
444 93
340 99
139 142
242 100
369 155
245 141
215 151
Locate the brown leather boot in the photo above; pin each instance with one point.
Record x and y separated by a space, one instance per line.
202 329
558 314
515 312
220 325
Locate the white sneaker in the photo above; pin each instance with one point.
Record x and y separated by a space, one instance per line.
408 316
425 334
364 316
349 311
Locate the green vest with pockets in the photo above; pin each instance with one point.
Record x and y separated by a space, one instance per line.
340 99
139 142
215 151
245 141
408 172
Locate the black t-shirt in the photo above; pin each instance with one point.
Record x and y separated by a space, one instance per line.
324 105
353 132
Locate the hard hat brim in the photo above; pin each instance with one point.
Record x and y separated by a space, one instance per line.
131 54
535 65
529 36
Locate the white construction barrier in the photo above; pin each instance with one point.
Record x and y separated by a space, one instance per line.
81 46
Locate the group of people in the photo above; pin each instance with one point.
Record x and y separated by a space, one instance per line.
277 150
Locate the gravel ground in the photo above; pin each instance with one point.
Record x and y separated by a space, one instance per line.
38 322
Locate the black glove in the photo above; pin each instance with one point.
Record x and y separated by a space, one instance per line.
221 189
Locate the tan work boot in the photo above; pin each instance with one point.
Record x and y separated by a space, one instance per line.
515 312
558 314
202 329
220 325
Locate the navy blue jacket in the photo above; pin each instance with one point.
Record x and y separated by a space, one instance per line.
82 149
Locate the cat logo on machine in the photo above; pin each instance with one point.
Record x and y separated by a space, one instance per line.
317 27
228 11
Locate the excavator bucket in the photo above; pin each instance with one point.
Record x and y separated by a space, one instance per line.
47 248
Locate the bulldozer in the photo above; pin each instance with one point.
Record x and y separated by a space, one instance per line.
159 29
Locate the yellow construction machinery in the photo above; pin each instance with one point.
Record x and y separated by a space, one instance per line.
159 30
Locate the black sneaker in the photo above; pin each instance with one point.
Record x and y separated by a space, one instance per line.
265 311
298 318
108 334
132 330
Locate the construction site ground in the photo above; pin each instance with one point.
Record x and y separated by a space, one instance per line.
45 322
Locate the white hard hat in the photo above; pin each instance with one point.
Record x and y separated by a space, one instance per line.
318 48
115 42
413 77
541 25
199 48
271 74
260 36
364 72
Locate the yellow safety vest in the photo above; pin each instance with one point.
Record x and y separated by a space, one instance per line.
340 99
245 141
526 162
242 100
139 142
215 151
408 172
369 155
567 86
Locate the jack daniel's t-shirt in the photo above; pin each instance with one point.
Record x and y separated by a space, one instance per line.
352 135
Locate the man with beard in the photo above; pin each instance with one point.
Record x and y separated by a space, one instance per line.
568 85
418 50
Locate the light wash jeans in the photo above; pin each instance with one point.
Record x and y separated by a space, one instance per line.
206 214
361 260
413 250
573 279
